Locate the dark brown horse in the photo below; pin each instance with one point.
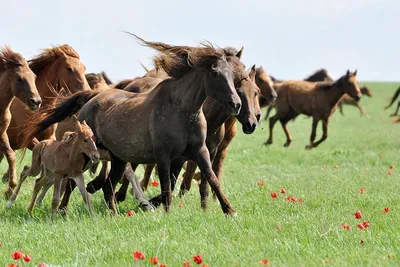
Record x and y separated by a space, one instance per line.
161 125
318 100
348 100
16 81
395 96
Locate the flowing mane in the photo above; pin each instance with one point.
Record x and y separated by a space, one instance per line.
176 61
10 59
321 74
49 55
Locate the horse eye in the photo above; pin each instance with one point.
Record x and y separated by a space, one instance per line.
85 140
20 79
69 69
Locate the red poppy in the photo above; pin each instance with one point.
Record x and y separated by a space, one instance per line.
154 260
155 183
261 183
390 255
130 213
180 205
17 255
358 215
186 264
265 262
291 198
12 265
278 227
385 210
360 226
41 265
283 190
391 167
346 226
205 265
381 156
323 166
362 190
300 200
138 255
390 173
163 265
274 195
335 166
27 258
1 244
198 259
366 224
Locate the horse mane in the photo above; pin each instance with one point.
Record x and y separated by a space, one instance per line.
176 61
326 85
94 78
49 55
10 59
318 74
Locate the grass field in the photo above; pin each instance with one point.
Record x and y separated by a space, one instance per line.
285 233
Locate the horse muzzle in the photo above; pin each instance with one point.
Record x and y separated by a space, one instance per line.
34 103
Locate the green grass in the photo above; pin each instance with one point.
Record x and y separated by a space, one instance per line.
310 232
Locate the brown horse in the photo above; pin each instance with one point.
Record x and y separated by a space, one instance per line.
318 100
348 100
16 81
395 96
160 125
59 161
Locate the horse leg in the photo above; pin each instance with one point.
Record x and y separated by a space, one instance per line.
362 110
313 133
115 175
163 165
397 110
284 122
121 194
12 171
69 188
98 182
272 122
269 109
325 124
45 188
202 159
340 106
187 178
144 183
39 182
80 183
93 168
56 194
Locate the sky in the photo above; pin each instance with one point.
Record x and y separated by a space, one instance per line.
289 38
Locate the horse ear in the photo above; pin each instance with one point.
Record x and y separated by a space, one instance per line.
348 73
252 73
239 54
355 73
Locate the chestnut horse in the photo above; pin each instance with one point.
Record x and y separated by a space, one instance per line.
348 100
16 81
318 100
161 125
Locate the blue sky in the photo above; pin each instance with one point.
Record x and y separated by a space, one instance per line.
289 38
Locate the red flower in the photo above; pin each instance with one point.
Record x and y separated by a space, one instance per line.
390 173
346 226
362 190
17 255
186 264
42 265
27 258
391 167
358 215
283 190
360 226
278 227
300 200
154 260
198 259
130 213
385 210
323 166
1 244
163 265
381 156
335 166
390 255
155 183
180 205
261 183
265 262
274 195
291 198
366 224
138 255
205 265
12 265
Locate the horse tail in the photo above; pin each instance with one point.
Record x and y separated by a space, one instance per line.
63 110
106 78
395 96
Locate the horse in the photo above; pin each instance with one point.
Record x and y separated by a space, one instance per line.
16 81
163 124
348 100
58 161
316 99
320 75
395 96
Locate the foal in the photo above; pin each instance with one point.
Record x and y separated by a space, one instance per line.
348 100
16 81
318 100
59 161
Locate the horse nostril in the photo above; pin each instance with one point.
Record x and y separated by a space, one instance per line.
258 116
248 125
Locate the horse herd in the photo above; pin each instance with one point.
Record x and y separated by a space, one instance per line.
181 114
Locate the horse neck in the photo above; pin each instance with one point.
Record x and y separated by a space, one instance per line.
334 95
75 150
46 79
215 115
189 92
6 95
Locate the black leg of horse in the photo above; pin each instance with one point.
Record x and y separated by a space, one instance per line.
397 110
121 194
67 195
98 182
116 172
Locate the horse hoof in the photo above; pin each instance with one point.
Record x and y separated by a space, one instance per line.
286 145
91 188
9 204
8 193
267 143
155 201
308 147
147 207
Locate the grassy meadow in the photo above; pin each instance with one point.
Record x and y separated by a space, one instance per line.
357 154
